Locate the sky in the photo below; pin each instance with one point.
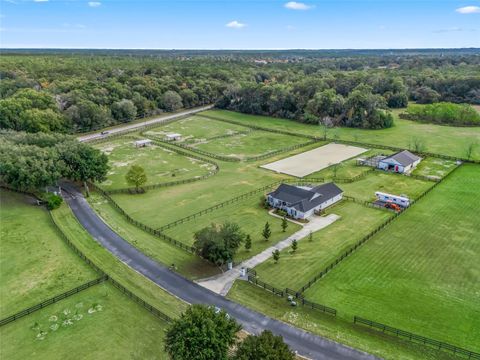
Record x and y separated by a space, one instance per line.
239 24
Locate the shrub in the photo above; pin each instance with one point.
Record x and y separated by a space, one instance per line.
443 113
53 201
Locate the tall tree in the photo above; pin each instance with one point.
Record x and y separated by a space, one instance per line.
136 176
284 223
266 233
265 346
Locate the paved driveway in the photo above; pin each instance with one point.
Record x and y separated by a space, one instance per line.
305 343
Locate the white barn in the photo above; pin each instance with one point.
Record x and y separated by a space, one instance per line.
401 162
300 202
143 143
173 137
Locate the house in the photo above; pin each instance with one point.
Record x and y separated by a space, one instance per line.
143 143
301 202
173 137
399 200
401 162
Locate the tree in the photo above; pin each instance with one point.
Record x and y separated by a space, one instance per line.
265 346
136 176
284 223
310 237
266 233
172 101
248 242
124 110
294 245
276 255
417 144
218 243
201 333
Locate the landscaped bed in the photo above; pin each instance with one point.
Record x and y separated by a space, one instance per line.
36 263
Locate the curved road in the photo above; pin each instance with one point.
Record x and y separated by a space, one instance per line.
306 344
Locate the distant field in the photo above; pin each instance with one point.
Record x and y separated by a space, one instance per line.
446 140
421 272
160 164
36 263
294 270
117 329
251 218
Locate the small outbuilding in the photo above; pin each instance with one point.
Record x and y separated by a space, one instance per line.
173 137
401 162
143 143
302 202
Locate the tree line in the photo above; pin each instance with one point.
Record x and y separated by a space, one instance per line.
77 93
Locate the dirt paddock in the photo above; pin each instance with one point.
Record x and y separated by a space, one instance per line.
314 160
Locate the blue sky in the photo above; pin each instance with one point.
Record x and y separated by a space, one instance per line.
240 24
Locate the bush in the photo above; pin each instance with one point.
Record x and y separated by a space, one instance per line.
53 201
444 113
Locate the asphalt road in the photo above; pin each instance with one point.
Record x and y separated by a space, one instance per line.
160 119
306 344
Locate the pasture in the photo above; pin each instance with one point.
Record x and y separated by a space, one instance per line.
36 263
295 269
249 215
161 165
97 323
434 167
420 273
446 140
314 160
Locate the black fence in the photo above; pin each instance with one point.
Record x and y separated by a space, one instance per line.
252 278
52 300
417 338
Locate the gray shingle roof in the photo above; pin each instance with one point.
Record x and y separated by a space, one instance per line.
304 200
404 158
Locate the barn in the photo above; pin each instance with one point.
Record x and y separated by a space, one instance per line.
301 202
401 162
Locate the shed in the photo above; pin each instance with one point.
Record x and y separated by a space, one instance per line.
173 137
401 162
142 143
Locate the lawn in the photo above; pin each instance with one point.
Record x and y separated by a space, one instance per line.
252 144
189 265
36 263
337 329
396 184
295 269
446 140
196 128
104 324
420 273
434 167
251 218
161 165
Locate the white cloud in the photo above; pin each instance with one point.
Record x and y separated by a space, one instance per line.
235 24
468 10
293 5
94 4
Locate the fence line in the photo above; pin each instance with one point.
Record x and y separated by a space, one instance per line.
414 337
52 300
252 278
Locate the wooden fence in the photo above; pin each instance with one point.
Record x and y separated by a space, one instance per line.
417 338
52 300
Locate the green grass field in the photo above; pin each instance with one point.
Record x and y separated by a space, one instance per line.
196 128
295 269
161 165
421 273
446 140
98 323
252 144
36 263
433 167
251 218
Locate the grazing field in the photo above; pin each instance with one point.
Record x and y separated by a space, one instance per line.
314 160
196 128
446 140
36 263
434 167
396 184
295 269
98 323
189 265
160 164
251 218
252 144
420 273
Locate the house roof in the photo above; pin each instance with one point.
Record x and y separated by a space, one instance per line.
174 135
144 141
304 200
404 158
